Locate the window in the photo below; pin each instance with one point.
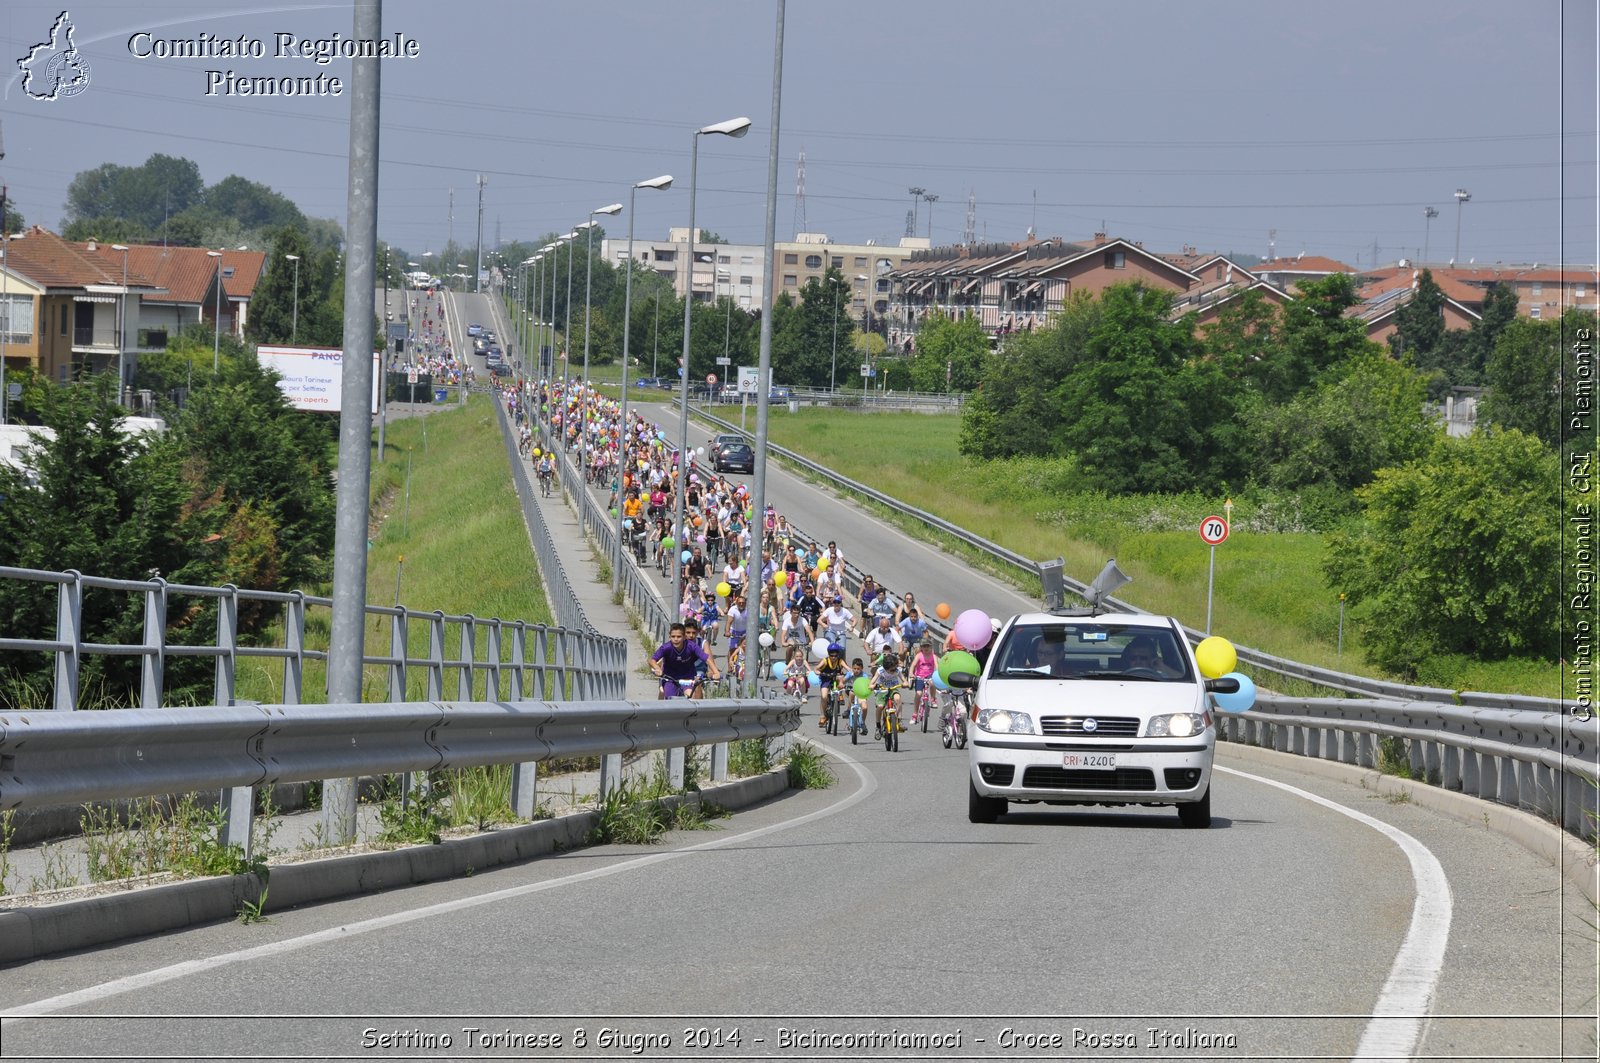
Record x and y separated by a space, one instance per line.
791 259
837 262
745 278
16 320
1534 312
791 281
63 320
1579 292
747 260
151 339
1116 260
813 262
665 256
861 262
723 260
1538 288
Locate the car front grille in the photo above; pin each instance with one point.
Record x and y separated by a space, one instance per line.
1110 726
1047 777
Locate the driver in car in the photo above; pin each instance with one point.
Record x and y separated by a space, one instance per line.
1140 656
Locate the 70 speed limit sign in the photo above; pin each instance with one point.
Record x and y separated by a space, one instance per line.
1213 530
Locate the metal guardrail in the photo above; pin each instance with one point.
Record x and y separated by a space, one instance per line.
1322 677
1541 762
55 758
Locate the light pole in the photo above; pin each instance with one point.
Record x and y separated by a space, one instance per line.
1462 195
658 183
571 242
1428 214
216 339
294 327
122 327
733 127
550 322
930 199
833 375
588 275
916 195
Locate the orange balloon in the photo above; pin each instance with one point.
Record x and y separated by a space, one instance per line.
942 610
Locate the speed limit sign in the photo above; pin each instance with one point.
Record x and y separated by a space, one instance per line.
1213 530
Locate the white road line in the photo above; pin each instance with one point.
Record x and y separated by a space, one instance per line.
130 983
1401 1013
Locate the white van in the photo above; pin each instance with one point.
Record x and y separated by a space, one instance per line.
1091 709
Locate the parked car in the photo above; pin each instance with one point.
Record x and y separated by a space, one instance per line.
1086 708
735 457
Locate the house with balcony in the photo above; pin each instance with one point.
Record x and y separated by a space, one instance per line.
78 304
185 289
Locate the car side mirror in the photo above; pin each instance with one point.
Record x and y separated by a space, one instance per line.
1224 685
966 681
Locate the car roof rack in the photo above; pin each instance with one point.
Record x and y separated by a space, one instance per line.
1110 579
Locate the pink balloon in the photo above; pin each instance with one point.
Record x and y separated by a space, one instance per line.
973 629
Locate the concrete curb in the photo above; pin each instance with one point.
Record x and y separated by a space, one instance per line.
1575 859
31 933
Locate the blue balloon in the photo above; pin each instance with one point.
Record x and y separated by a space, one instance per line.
814 680
685 556
627 524
778 670
938 683
1240 701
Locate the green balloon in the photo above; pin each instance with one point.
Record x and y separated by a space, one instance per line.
613 511
863 687
957 661
668 544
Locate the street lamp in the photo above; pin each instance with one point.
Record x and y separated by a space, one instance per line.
1428 214
216 339
659 183
588 276
733 127
294 329
122 328
570 240
1462 195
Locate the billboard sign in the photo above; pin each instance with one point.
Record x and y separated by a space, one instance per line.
312 377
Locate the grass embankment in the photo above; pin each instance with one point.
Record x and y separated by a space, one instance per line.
458 526
1269 593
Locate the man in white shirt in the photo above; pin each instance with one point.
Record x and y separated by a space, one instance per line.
836 621
883 638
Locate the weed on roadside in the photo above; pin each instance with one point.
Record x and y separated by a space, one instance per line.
8 831
808 767
415 820
637 814
749 756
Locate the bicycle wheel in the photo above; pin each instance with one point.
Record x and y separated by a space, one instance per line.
855 731
924 708
961 733
947 733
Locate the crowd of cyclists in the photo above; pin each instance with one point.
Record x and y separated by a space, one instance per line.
428 345
793 618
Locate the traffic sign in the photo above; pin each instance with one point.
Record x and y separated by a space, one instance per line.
1214 530
711 378
724 361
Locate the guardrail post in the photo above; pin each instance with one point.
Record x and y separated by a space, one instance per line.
1430 762
1366 750
152 670
541 664
519 659
675 761
719 762
1314 742
397 650
1450 772
69 630
294 641
469 651
227 643
1347 748
491 661
610 772
1415 754
1469 772
1510 792
436 656
1580 805
1538 784
524 775
1280 738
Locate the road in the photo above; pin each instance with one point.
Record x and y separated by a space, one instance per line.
874 906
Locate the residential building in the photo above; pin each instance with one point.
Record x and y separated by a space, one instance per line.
1285 273
866 268
719 270
186 279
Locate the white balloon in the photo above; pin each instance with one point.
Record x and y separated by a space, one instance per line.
766 639
819 648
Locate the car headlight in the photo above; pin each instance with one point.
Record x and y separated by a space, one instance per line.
1004 721
1177 725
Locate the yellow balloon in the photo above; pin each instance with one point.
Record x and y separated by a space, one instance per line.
724 589
1216 657
822 565
537 452
780 578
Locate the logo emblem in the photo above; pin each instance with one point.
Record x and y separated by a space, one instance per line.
55 69
1091 724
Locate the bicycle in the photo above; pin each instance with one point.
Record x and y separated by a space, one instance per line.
953 725
545 477
691 689
858 719
891 721
924 704
832 710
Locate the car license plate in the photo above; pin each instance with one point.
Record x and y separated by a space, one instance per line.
1091 761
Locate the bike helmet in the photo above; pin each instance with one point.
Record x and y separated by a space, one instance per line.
834 647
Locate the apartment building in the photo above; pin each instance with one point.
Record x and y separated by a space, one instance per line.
717 270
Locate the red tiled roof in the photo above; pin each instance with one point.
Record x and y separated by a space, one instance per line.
47 259
187 273
1302 264
1449 281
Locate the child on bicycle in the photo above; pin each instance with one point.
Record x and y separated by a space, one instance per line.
795 679
831 673
923 665
858 670
886 683
677 663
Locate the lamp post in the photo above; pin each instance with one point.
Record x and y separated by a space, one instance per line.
1462 195
658 183
1428 214
833 374
588 275
294 327
122 326
216 339
570 240
733 127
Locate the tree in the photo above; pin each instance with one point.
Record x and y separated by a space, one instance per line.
1524 377
274 306
252 205
147 194
950 355
1457 553
1419 325
1314 336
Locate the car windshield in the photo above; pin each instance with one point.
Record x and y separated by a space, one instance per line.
1091 650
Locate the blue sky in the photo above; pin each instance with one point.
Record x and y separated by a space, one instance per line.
1207 125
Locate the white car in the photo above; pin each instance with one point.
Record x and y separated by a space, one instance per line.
1092 709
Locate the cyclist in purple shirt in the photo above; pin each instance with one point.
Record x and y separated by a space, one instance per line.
675 664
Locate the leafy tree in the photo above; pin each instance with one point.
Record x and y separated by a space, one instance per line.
1457 553
1419 325
105 503
147 194
1313 337
950 355
106 230
1243 336
709 237
11 220
273 307
1335 437
1018 406
1524 376
252 205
